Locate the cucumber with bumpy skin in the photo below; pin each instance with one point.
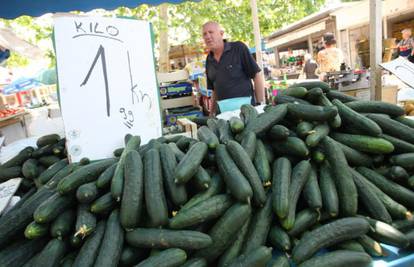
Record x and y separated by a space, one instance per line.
35 230
89 250
311 112
257 257
328 190
190 163
280 186
172 257
339 258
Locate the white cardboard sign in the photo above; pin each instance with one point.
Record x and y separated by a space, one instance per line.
402 68
7 190
107 83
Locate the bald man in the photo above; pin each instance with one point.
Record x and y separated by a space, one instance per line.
230 68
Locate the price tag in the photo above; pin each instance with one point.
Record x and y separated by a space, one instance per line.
7 190
107 83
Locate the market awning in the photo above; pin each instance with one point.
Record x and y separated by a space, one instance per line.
35 8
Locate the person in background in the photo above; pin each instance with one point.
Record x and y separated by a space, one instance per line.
406 45
330 58
230 68
310 67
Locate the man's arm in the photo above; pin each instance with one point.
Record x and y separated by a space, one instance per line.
259 90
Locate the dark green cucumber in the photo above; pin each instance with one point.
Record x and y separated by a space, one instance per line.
206 210
364 106
249 142
212 125
281 261
183 142
19 252
10 172
85 221
355 157
207 136
155 200
371 246
404 225
177 193
364 143
133 194
236 125
243 162
314 94
262 163
89 250
279 238
257 257
87 193
118 152
52 207
225 133
163 238
223 231
305 219
313 84
259 227
68 260
394 190
117 181
60 175
248 112
284 99
266 120
103 204
291 146
172 257
387 234
269 151
393 128
30 169
410 181
49 139
234 250
279 132
45 176
336 122
131 256
351 245
63 224
83 175
333 94
370 200
300 175
52 253
397 173
19 159
195 262
295 91
339 258
43 151
317 134
405 160
311 112
356 121
304 128
236 182
345 186
327 235
190 163
405 120
400 146
311 191
328 190
36 230
112 241
48 161
280 186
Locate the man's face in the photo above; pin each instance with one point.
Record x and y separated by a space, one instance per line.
212 36
406 35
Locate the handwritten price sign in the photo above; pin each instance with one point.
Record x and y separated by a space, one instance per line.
107 83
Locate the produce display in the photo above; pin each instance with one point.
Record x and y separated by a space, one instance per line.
319 179
7 112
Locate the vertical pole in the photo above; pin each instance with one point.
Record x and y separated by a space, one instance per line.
164 57
277 57
310 45
257 38
375 46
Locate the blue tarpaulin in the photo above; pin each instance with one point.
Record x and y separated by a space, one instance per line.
19 85
35 8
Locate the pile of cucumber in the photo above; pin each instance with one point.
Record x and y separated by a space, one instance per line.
319 179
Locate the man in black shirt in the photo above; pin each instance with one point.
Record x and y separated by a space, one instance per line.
230 68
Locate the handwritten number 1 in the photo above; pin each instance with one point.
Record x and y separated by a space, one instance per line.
101 54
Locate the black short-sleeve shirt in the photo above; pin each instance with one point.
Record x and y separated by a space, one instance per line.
231 77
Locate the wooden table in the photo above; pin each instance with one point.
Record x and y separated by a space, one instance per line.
13 119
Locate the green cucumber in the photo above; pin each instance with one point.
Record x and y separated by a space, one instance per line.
163 238
9 173
281 261
314 94
305 219
311 191
243 162
364 143
311 112
404 225
118 152
172 257
387 234
345 186
225 133
304 128
205 135
249 142
133 194
328 190
339 258
45 176
397 173
223 231
280 186
30 169
19 159
371 246
279 238
351 245
36 230
206 210
405 160
312 84
285 99
279 132
257 257
212 125
291 146
365 106
52 253
259 227
75 241
131 256
262 163
336 122
393 128
112 241
155 200
344 98
52 207
63 224
48 161
400 146
266 120
177 193
317 134
300 175
83 175
236 182
85 221
356 121
195 262
19 252
190 163
355 157
236 125
327 235
405 120
117 181
89 250
104 204
248 112
68 260
49 139
87 193
295 91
